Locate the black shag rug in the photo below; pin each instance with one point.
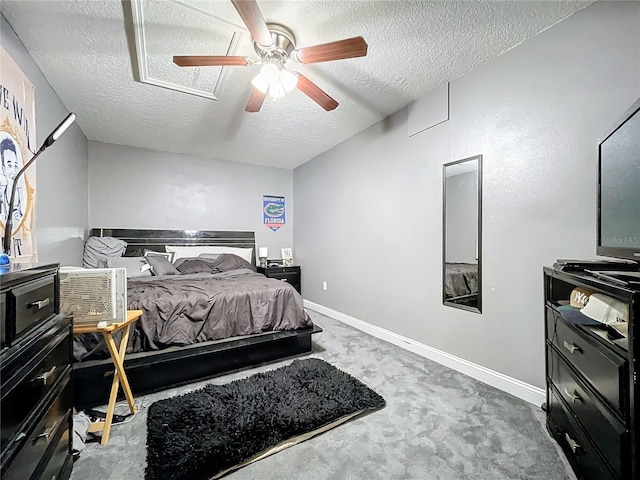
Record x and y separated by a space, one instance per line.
210 431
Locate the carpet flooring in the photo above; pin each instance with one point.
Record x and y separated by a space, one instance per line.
437 424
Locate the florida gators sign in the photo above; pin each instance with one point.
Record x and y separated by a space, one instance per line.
273 211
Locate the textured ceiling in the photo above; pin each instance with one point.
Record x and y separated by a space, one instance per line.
87 51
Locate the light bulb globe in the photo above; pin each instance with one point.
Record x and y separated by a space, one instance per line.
288 80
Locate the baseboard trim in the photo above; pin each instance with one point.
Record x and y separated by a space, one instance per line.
520 389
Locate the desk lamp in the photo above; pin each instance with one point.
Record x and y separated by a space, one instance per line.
6 243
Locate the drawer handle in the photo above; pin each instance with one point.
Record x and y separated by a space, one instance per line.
573 396
283 279
40 303
573 445
43 377
47 432
572 347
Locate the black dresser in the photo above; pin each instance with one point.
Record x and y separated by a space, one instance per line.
286 274
36 397
592 383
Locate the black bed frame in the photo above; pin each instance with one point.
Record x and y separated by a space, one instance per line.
152 371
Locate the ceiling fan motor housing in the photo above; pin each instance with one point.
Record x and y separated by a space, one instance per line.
283 44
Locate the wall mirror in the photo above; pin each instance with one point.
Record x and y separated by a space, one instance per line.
462 234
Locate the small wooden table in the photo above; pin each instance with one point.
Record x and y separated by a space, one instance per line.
119 377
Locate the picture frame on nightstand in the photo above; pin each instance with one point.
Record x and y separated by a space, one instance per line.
287 257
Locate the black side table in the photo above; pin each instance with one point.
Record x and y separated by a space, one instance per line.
286 274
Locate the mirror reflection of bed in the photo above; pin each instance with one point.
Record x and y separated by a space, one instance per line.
461 283
462 234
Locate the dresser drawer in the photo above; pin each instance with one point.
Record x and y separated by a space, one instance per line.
603 369
47 433
574 442
3 318
606 432
58 454
28 387
33 302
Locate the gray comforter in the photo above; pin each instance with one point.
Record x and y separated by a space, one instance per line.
187 309
460 279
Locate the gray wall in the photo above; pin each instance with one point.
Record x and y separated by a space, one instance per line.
139 188
462 217
369 211
62 171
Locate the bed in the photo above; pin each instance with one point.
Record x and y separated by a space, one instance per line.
198 324
460 280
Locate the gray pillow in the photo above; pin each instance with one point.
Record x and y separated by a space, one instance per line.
98 249
180 261
197 265
228 261
160 265
136 266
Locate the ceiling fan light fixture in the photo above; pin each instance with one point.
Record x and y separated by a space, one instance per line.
261 83
269 73
276 90
288 80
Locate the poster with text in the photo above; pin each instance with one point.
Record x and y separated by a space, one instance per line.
273 211
17 146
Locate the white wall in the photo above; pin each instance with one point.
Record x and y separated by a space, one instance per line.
138 188
369 211
62 171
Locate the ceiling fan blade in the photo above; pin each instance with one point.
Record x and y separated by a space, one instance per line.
253 19
315 93
341 49
211 61
256 99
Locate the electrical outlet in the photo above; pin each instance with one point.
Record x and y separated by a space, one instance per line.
324 285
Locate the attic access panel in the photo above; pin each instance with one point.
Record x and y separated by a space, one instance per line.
163 29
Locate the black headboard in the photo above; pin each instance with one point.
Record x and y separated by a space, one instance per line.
139 240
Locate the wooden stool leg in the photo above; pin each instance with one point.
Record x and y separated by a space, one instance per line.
106 429
124 380
118 360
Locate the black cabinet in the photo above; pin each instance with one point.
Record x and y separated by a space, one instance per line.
35 376
591 373
286 274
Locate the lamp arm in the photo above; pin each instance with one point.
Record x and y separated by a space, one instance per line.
6 245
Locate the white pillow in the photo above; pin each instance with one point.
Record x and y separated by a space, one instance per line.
195 251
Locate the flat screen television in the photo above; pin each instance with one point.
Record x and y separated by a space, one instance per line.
618 232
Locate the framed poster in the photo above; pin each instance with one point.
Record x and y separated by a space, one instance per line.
273 212
17 146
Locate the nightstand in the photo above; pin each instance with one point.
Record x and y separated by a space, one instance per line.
286 274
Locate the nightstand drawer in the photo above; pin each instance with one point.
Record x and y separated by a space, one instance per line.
606 432
574 442
290 275
603 369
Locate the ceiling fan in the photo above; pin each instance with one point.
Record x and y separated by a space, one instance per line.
275 44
